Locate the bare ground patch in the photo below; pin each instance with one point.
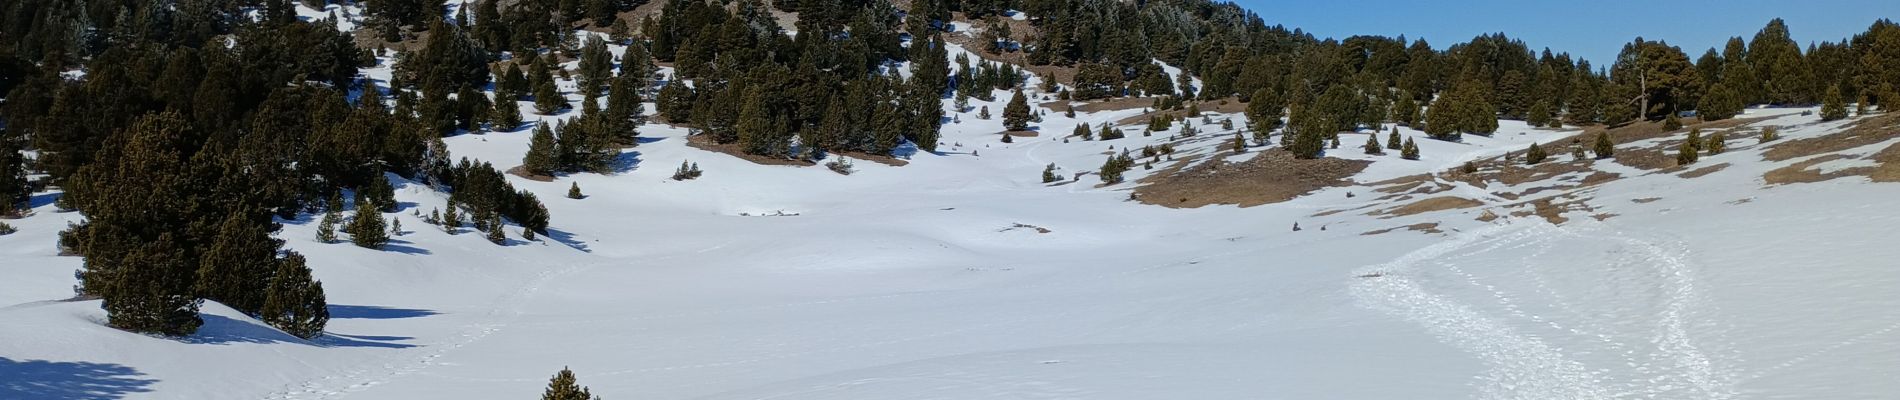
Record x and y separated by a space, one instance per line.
523 173
1439 203
1427 227
1645 200
1864 132
1272 177
1699 172
705 142
1802 172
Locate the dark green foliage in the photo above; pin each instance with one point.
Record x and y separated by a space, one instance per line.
1112 169
237 266
449 60
1082 130
541 158
596 65
1265 110
675 102
139 201
1410 151
1535 154
547 98
14 189
326 230
294 300
496 232
1469 168
1719 103
1604 147
1240 143
1392 140
574 191
1769 134
687 171
1539 114
1095 81
1049 174
1110 133
1717 144
1833 106
564 387
1372 145
1016 113
483 190
366 228
1671 123
1686 153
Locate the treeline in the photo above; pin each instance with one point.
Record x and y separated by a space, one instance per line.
836 86
1322 86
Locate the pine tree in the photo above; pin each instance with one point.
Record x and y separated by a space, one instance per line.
547 98
496 233
238 264
294 301
1083 131
366 227
1769 134
541 158
983 113
1605 148
1833 107
1695 139
1049 174
1535 154
1671 123
564 387
1016 113
1264 110
451 219
1110 133
1240 143
1392 141
1410 151
1372 145
1539 114
1717 143
1686 153
506 115
395 227
574 191
326 230
1719 103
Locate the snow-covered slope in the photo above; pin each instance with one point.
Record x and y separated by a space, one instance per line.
932 280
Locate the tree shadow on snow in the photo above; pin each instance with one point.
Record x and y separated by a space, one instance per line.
647 139
42 199
401 246
221 330
343 311
568 239
626 161
341 340
41 379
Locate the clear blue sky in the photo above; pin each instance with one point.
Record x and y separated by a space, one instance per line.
1594 30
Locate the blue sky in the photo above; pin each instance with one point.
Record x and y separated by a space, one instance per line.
1595 30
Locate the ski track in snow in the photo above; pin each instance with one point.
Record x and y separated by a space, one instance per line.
1524 360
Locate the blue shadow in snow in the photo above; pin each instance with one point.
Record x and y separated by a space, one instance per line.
626 161
568 239
42 199
342 340
645 139
41 379
343 311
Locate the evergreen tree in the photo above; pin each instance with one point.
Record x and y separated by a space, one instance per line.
326 230
1110 133
496 234
1833 107
1717 143
1392 141
237 266
564 387
574 191
1535 154
1719 103
1082 130
1539 114
1604 147
1686 153
675 102
366 227
294 301
451 219
1769 134
1410 151
1240 143
14 190
1671 123
596 65
547 99
1265 110
541 158
1049 174
1016 113
139 255
1372 145
506 115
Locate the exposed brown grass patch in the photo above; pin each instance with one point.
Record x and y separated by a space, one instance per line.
1864 132
1427 227
1699 172
1645 200
1603 216
1801 172
1488 216
523 173
1889 169
1439 203
1271 177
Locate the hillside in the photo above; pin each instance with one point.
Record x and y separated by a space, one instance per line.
952 269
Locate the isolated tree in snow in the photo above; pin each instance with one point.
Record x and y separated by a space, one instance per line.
1083 131
451 219
1605 148
1769 134
574 191
496 233
564 387
1109 133
294 301
326 230
1535 154
1717 143
366 227
1372 145
1049 174
541 158
1392 141
547 98
1686 153
1016 113
1410 150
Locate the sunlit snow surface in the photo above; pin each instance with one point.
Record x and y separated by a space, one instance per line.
910 283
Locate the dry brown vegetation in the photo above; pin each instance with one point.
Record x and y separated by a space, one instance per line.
1270 177
1801 172
1427 227
1439 203
1699 172
1866 131
705 142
